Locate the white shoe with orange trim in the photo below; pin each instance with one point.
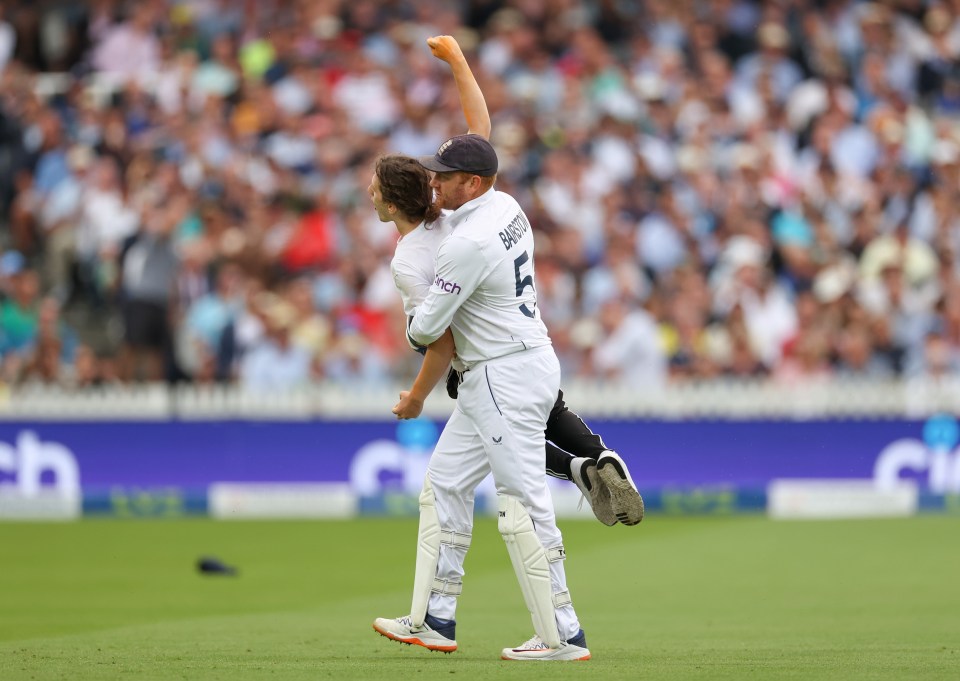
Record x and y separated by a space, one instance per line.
535 649
435 634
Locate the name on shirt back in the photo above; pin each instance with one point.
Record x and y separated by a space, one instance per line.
516 229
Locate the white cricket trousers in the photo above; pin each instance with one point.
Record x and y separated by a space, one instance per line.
498 425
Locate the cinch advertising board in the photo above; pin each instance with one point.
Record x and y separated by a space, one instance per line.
159 467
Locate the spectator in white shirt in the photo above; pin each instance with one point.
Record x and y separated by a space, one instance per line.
631 350
130 49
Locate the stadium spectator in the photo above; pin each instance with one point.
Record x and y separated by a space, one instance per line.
630 348
274 363
205 321
104 222
146 275
51 355
130 49
19 313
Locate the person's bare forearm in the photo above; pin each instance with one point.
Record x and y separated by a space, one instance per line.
435 364
471 99
474 106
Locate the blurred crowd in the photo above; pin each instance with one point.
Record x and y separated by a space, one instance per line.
718 187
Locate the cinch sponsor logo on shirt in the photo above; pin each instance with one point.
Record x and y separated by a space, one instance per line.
516 229
448 286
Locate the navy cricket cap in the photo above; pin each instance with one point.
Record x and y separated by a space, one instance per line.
468 153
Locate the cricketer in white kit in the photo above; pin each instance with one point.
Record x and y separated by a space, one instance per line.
484 290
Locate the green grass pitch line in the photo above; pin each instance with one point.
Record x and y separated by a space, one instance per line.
674 598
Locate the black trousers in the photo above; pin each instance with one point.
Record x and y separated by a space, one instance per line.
568 436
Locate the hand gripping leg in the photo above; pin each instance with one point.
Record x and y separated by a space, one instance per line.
429 539
530 562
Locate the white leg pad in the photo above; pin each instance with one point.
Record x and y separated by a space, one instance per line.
532 566
560 598
429 539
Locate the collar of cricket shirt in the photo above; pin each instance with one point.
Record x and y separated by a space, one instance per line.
458 216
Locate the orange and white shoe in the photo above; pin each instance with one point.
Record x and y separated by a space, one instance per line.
535 649
435 634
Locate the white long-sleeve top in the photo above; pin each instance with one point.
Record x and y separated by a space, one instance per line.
414 262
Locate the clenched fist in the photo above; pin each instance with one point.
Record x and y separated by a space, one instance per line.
445 48
409 407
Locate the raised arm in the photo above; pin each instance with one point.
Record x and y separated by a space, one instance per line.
445 48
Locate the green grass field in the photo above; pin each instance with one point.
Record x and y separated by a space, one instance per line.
674 598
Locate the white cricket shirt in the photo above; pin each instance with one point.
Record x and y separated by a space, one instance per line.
484 288
414 260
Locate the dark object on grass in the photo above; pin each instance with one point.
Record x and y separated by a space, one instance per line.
214 566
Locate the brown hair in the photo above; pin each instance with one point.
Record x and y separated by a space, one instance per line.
406 184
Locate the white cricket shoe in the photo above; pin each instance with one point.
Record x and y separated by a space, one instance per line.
595 491
625 500
435 634
535 649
